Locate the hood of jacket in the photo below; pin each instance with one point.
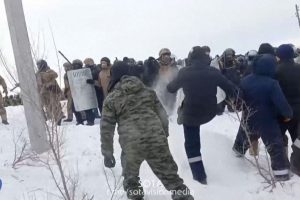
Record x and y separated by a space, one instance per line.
129 84
265 65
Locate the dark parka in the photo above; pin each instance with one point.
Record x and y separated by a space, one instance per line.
263 95
288 75
199 83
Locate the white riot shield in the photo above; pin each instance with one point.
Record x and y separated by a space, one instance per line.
83 94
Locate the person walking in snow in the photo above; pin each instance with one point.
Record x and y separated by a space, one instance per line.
199 82
241 143
2 109
288 73
143 131
264 101
49 91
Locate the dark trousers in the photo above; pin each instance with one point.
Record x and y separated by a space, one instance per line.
90 117
273 141
192 147
291 126
241 143
100 98
295 157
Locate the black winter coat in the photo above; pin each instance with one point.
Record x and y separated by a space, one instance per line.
288 75
199 83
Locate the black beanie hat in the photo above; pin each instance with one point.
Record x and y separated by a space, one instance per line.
199 53
266 48
118 70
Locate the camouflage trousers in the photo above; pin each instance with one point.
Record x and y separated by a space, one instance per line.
51 102
160 160
2 109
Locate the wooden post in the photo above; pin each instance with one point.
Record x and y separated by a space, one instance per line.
25 67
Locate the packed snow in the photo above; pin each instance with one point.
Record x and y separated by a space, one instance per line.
229 177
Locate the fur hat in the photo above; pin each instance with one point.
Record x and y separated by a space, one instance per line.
88 61
41 64
67 66
77 64
105 59
164 51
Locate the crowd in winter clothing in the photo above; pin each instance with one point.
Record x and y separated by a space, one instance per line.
140 96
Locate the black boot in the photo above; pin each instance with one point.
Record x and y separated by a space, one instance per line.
198 172
5 122
90 123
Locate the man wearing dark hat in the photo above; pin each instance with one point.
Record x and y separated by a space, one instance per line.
143 131
199 82
288 75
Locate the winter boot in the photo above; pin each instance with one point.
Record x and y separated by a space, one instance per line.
238 153
5 122
284 177
182 193
295 158
90 123
68 120
198 172
254 148
79 123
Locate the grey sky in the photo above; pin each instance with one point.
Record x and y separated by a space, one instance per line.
140 28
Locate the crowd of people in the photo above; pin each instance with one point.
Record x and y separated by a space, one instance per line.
139 97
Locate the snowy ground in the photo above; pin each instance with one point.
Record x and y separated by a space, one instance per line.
228 177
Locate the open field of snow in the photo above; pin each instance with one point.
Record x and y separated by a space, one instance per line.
229 177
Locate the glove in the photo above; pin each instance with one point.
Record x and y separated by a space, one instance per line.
109 162
90 81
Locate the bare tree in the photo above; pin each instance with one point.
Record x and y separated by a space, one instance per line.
116 186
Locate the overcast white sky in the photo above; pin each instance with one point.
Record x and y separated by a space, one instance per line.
140 28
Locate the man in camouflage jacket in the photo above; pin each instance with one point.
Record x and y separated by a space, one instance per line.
143 130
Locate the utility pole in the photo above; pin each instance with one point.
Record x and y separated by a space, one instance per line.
21 47
297 14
